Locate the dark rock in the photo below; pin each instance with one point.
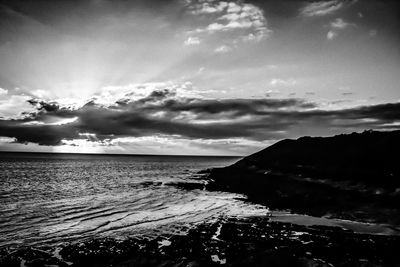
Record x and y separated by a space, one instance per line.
254 241
30 257
355 176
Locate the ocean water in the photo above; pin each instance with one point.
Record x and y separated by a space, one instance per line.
51 199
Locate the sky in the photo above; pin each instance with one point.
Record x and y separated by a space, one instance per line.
194 77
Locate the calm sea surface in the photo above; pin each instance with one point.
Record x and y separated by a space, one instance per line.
49 199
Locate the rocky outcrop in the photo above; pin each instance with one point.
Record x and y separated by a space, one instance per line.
255 241
353 176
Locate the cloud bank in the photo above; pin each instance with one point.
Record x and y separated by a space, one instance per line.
163 113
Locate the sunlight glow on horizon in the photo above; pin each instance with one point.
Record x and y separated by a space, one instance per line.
157 69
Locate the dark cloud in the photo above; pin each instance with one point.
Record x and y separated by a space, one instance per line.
46 106
162 112
276 8
347 93
36 133
235 107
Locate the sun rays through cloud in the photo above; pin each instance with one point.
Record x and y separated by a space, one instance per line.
126 76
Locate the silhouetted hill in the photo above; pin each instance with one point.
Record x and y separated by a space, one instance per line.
353 176
368 157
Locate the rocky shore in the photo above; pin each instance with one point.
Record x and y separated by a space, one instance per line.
355 177
255 241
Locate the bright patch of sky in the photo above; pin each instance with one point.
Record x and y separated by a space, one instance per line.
335 54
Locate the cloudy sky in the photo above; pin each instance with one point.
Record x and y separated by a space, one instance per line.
199 77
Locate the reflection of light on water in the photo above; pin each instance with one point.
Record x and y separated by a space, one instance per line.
77 197
358 227
164 243
72 197
217 233
217 259
56 254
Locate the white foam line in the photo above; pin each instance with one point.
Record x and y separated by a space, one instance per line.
217 233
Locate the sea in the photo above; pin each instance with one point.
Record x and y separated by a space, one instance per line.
53 199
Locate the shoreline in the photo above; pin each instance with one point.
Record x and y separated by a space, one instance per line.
283 239
286 191
289 216
232 241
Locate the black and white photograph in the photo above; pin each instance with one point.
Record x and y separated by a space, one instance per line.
190 133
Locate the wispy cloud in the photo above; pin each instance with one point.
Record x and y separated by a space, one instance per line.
336 26
331 35
192 41
200 7
86 68
235 21
339 23
3 91
321 8
373 33
282 82
223 49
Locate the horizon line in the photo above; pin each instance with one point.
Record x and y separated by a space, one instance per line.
121 154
